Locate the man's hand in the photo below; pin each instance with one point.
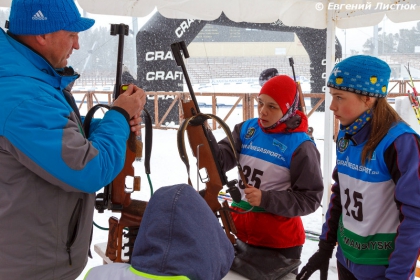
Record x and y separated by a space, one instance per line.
319 261
252 195
135 126
132 101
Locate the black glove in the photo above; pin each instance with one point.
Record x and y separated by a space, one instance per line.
320 260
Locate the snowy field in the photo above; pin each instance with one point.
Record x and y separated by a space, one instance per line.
168 169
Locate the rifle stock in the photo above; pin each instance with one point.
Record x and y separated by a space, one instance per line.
129 221
227 223
111 247
117 196
199 139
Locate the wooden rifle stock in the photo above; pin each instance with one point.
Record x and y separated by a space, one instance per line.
199 143
112 247
197 137
130 220
116 196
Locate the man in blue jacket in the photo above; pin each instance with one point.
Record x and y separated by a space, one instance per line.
49 170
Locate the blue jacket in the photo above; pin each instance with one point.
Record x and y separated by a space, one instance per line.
49 170
179 236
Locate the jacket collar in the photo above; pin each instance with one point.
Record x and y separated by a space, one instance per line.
35 65
361 135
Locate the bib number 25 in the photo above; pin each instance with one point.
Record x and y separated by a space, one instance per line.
357 211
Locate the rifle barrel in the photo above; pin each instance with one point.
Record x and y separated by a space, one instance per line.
121 30
176 51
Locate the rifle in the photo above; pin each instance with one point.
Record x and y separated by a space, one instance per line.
195 123
301 106
116 196
413 96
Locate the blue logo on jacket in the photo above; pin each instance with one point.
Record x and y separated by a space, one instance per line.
373 156
280 145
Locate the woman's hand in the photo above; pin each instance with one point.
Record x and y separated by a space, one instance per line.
253 195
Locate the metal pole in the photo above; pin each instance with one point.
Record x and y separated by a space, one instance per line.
375 40
329 145
135 31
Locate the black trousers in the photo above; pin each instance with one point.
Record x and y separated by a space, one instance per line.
292 253
344 273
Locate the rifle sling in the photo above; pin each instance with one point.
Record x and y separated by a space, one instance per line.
89 117
193 120
148 140
148 127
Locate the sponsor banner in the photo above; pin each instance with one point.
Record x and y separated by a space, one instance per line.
157 70
234 81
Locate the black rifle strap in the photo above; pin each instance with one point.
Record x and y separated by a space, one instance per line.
148 127
89 117
148 139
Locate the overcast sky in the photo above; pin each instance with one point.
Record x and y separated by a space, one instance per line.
354 38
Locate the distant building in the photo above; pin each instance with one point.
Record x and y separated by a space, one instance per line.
226 52
227 41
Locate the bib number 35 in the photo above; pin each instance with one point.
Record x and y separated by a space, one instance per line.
252 177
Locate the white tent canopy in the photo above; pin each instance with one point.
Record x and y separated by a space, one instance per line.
306 13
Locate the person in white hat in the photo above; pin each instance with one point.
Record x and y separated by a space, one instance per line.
49 170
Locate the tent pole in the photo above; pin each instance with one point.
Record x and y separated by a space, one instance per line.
135 31
329 145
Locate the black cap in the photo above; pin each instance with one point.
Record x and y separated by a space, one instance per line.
267 74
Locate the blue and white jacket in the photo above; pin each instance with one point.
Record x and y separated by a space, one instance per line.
374 211
49 170
285 167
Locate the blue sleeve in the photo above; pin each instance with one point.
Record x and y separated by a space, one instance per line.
48 140
94 123
333 214
403 160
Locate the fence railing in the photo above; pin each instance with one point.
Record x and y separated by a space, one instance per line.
160 113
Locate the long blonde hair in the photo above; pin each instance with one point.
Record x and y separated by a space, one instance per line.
384 116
